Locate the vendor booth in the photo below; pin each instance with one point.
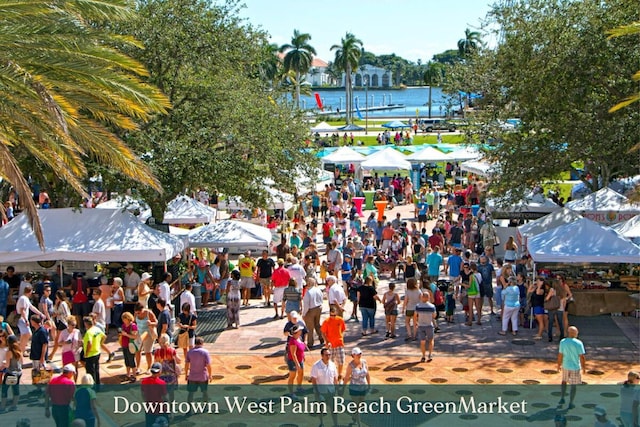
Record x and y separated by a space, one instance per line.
533 206
185 210
629 229
231 234
580 251
605 206
385 160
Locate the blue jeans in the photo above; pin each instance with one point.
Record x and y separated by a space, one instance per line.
368 317
558 315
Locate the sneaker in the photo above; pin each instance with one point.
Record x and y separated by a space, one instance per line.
561 401
393 336
422 360
503 333
407 339
571 406
537 337
111 357
430 358
387 334
414 339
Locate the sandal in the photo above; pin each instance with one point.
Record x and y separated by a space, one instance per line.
502 333
364 334
515 333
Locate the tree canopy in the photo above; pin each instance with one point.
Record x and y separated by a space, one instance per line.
557 71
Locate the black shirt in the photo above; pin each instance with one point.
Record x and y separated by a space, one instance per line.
265 268
456 234
40 337
367 294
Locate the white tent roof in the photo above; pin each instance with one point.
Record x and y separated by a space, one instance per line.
97 235
428 154
323 127
387 159
466 153
129 203
604 199
547 222
185 210
532 203
231 234
344 155
630 228
582 241
476 167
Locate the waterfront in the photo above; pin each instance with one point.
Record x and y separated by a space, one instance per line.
413 98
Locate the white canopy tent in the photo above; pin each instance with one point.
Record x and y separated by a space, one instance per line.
323 127
629 229
534 205
137 207
185 210
428 154
231 234
582 241
97 235
466 153
555 219
387 159
344 155
477 167
605 206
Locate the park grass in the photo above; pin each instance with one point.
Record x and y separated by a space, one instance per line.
417 139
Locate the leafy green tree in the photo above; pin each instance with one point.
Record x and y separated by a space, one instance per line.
558 72
626 30
433 76
347 58
298 58
227 129
64 89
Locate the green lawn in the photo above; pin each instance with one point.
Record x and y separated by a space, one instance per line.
417 140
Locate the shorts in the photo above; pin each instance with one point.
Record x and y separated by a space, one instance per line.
456 245
486 291
278 293
247 282
391 313
129 358
292 365
223 284
473 296
81 309
265 283
357 264
409 313
425 333
337 355
537 311
23 327
315 209
571 377
193 386
422 218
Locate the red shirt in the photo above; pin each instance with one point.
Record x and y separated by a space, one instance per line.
435 240
280 277
61 390
153 389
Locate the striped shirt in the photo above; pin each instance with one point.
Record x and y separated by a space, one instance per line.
425 311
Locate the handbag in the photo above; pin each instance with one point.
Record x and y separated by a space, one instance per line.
11 379
134 346
183 340
552 304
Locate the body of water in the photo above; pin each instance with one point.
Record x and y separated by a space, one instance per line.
414 98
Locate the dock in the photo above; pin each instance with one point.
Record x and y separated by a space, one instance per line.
363 110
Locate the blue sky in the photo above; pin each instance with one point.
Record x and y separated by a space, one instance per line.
412 29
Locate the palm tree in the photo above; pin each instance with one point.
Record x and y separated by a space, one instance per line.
65 89
298 58
348 54
269 69
432 76
471 41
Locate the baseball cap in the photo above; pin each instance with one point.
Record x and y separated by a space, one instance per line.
294 315
294 231
69 368
356 350
129 266
599 411
145 276
155 368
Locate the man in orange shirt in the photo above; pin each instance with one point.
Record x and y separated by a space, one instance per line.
333 332
387 236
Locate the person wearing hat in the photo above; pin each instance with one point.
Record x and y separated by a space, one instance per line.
601 418
131 281
154 390
144 289
59 395
358 378
280 280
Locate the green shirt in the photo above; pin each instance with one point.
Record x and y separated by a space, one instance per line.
93 336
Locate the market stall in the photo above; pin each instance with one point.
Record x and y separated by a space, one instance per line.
583 252
605 206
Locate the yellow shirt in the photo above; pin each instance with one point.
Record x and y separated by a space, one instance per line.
247 266
93 336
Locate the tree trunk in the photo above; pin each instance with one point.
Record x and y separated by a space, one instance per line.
298 90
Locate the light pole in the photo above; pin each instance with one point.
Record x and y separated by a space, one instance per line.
365 81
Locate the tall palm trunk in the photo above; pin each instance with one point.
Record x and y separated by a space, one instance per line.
298 89
348 94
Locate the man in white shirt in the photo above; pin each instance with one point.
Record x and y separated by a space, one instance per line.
131 281
311 310
22 308
26 281
99 309
324 377
165 289
296 271
337 297
187 298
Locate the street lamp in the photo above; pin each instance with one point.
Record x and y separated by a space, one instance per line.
365 82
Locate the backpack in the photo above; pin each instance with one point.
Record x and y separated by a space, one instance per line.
437 298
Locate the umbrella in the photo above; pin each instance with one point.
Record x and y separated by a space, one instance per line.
351 127
395 124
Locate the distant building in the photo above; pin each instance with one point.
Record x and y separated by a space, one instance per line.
318 75
374 77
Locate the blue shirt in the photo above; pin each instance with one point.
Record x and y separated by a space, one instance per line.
423 208
455 264
571 349
434 261
486 271
511 296
4 297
